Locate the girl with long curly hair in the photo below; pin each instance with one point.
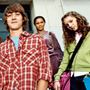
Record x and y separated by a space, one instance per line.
74 27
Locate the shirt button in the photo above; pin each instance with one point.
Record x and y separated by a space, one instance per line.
17 52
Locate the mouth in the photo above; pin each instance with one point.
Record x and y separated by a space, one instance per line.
40 27
13 22
72 28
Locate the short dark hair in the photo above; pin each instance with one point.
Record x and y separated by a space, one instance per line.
37 18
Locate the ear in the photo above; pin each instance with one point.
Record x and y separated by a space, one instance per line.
23 18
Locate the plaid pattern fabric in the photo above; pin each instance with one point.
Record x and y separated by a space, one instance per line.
23 68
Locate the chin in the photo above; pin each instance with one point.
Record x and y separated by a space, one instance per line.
40 29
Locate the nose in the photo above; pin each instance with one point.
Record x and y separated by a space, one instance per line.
13 16
40 23
70 24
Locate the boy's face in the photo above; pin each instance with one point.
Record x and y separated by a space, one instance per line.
14 20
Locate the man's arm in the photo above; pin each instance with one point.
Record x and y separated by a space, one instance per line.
42 84
45 70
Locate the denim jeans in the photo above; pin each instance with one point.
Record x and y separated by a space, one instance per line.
76 83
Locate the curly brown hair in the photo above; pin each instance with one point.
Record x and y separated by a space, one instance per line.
83 27
15 8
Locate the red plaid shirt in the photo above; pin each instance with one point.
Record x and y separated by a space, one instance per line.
23 68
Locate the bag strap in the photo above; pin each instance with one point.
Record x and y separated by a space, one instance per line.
74 53
51 39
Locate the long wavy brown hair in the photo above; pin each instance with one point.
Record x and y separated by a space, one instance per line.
83 27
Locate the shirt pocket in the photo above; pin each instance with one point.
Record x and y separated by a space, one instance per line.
4 62
31 56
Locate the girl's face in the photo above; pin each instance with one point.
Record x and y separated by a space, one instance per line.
71 23
39 23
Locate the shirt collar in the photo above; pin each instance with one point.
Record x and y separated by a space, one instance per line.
24 33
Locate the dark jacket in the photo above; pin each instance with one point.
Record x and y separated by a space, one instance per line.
55 53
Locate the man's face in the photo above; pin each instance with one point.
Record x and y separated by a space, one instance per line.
14 20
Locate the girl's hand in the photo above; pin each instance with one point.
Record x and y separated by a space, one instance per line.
57 85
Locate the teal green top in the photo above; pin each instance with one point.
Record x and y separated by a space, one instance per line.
81 61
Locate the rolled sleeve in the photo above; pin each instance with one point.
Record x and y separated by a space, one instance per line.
45 70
